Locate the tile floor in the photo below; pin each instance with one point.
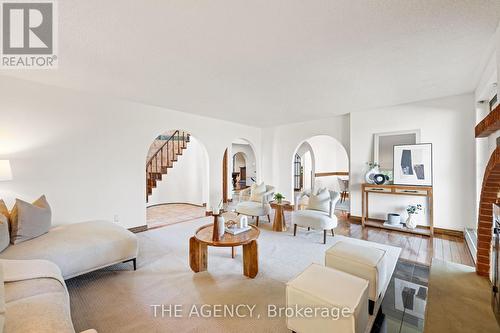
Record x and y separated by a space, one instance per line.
166 214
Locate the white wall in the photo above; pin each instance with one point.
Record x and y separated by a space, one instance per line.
330 156
87 152
280 144
448 124
187 181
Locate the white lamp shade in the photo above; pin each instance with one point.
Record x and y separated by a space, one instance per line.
5 170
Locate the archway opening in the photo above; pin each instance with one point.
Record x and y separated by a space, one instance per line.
239 168
321 162
176 179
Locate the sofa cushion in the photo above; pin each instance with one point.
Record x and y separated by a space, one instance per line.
315 219
257 192
45 312
28 221
78 248
320 201
36 297
252 208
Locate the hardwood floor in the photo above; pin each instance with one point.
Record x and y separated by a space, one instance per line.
416 248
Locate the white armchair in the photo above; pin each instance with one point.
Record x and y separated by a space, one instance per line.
319 213
255 205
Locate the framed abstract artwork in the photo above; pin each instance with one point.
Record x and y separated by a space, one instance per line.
413 164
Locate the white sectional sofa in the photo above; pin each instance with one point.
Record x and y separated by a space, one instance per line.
79 248
34 298
33 295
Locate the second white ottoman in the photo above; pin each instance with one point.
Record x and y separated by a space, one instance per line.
362 261
321 287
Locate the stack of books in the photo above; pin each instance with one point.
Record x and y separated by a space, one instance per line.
236 230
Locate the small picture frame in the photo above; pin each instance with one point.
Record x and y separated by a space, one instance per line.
413 164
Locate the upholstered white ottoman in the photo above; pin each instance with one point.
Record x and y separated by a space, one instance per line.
321 289
366 262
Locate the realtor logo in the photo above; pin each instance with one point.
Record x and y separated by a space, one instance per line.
28 34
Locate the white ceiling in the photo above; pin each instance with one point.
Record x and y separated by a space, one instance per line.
268 62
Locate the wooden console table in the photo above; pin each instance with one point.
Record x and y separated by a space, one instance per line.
419 191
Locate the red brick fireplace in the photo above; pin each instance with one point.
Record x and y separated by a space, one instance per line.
489 192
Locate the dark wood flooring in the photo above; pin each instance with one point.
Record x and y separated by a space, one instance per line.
415 248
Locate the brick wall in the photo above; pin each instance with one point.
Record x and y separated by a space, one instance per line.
489 193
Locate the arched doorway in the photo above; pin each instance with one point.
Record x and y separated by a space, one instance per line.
239 168
321 162
489 195
239 172
176 178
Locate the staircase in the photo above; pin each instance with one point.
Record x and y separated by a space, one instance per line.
163 158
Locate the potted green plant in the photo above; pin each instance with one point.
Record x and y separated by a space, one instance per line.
279 197
411 210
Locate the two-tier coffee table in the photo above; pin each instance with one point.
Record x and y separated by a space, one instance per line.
199 243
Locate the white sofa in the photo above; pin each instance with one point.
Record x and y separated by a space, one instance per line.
34 298
79 248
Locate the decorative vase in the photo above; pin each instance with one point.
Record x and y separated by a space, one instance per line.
369 176
222 225
380 179
243 221
410 222
219 228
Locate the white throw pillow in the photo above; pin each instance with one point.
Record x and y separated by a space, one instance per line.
257 192
320 201
4 210
4 232
28 221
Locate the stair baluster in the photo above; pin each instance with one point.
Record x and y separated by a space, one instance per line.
162 160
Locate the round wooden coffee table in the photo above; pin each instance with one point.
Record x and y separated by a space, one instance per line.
203 238
279 223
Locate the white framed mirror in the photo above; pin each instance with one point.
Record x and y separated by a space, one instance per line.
383 146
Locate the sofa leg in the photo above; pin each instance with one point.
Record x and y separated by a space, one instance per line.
257 221
134 262
308 228
294 230
333 234
371 306
324 236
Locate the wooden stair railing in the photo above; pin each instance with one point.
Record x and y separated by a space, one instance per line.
164 159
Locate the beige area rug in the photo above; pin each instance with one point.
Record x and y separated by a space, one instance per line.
459 300
120 300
